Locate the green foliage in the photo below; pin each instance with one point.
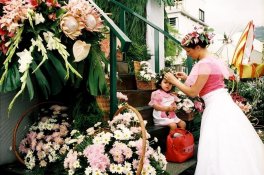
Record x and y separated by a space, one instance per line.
85 112
159 170
135 28
136 52
253 91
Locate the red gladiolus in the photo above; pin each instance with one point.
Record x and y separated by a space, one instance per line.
34 3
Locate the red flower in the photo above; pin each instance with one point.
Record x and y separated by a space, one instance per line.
34 3
4 1
232 78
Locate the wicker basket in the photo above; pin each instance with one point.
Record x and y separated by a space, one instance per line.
104 104
27 113
143 131
146 85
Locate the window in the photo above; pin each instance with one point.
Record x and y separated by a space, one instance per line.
173 21
201 15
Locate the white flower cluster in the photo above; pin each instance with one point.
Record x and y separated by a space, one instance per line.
145 73
184 103
114 150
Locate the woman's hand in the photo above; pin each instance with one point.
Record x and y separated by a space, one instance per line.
181 75
170 78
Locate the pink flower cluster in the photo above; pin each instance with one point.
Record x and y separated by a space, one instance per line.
46 138
120 152
96 157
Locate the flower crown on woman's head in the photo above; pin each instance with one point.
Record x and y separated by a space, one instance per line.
200 34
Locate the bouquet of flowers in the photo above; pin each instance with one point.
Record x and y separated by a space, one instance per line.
45 142
44 43
186 105
145 72
113 150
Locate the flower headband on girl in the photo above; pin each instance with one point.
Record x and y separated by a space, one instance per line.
200 34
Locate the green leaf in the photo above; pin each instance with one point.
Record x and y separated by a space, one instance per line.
30 88
96 83
58 66
56 83
12 80
41 80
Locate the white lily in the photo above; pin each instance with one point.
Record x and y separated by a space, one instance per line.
80 50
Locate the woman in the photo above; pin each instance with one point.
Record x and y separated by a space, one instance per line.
228 144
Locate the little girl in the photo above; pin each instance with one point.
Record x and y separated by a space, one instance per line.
163 102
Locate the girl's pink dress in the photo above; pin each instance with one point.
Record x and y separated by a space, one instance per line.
228 143
165 99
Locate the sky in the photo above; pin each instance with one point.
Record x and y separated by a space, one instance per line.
230 16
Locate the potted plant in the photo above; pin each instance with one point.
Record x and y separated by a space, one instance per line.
145 76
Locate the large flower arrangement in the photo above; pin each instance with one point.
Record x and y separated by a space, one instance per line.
187 105
106 148
45 141
44 43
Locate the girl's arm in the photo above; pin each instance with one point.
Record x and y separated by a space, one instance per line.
192 91
164 108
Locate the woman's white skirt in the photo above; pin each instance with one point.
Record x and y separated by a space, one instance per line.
228 144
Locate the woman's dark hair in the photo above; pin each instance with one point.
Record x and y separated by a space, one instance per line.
202 44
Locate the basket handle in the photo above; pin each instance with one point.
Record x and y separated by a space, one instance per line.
24 114
143 131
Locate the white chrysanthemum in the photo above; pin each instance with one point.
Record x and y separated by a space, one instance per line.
118 134
113 168
119 169
76 164
127 167
30 160
90 131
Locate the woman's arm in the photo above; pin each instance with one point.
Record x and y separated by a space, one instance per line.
192 91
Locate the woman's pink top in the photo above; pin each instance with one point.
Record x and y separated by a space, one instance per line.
214 82
213 67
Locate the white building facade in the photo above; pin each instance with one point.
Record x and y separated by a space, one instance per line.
186 14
